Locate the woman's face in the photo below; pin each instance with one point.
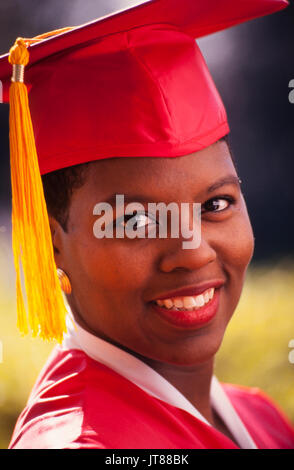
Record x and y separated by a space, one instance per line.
115 280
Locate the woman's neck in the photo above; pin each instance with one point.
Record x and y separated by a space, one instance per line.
192 381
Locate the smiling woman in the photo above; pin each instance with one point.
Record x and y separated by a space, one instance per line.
142 270
145 315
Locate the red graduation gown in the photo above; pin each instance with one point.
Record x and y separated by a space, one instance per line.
79 403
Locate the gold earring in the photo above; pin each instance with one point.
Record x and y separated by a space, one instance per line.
64 281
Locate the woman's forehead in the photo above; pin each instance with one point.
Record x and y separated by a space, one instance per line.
159 173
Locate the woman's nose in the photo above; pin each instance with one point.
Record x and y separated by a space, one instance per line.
178 257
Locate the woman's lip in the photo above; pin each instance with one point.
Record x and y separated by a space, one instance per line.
192 290
193 318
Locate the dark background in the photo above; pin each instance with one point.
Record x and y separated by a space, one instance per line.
252 65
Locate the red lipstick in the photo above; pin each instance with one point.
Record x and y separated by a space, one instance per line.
190 318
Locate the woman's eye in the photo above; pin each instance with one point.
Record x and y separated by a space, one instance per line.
138 220
217 204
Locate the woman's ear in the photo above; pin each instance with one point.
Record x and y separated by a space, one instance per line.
56 236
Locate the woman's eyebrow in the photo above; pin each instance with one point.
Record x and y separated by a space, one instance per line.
229 179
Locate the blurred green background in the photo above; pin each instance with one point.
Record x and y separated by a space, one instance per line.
255 351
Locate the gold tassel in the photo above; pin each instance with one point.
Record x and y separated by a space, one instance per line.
31 236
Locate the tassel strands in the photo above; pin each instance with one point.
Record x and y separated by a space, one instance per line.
31 236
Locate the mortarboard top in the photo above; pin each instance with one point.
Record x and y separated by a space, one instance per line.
195 17
128 85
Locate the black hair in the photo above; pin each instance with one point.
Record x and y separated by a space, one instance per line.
59 186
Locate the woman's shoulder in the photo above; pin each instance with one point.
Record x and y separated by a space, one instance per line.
54 416
262 416
253 397
73 369
72 395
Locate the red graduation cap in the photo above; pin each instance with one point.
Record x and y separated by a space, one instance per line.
131 84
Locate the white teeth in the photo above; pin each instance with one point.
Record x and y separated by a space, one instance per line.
168 303
206 297
211 292
199 301
187 302
178 303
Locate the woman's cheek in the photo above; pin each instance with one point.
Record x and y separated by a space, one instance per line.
122 267
238 250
